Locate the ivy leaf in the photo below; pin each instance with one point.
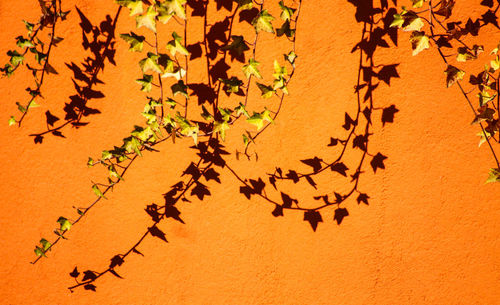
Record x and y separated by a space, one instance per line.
12 120
340 213
39 251
417 3
135 41
262 22
232 85
23 42
419 42
175 45
148 19
453 74
146 82
237 45
266 91
484 113
313 217
286 12
397 21
290 57
16 58
65 223
135 6
150 63
285 30
378 162
154 231
257 120
464 54
97 191
179 88
412 22
494 175
221 128
45 244
176 7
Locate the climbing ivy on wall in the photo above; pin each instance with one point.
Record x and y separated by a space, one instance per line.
431 25
181 110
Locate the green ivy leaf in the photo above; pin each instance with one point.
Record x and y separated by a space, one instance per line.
412 22
251 68
135 41
257 120
15 58
175 45
286 12
453 74
164 15
262 22
464 54
285 30
39 251
417 3
495 64
187 128
146 82
397 21
179 88
12 120
221 128
97 191
244 5
231 85
45 244
176 7
290 57
240 109
20 107
266 91
419 42
237 44
23 42
150 63
65 223
494 175
135 6
29 26
148 19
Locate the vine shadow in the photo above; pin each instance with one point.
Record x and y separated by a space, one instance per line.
376 32
99 40
211 152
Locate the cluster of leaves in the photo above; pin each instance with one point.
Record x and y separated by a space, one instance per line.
166 114
433 25
31 43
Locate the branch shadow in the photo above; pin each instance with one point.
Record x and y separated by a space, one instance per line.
100 41
359 128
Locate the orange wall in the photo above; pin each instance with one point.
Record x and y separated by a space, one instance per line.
429 236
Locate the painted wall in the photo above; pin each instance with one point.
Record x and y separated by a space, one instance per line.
429 236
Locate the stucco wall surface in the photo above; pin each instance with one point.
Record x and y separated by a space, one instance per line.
428 236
